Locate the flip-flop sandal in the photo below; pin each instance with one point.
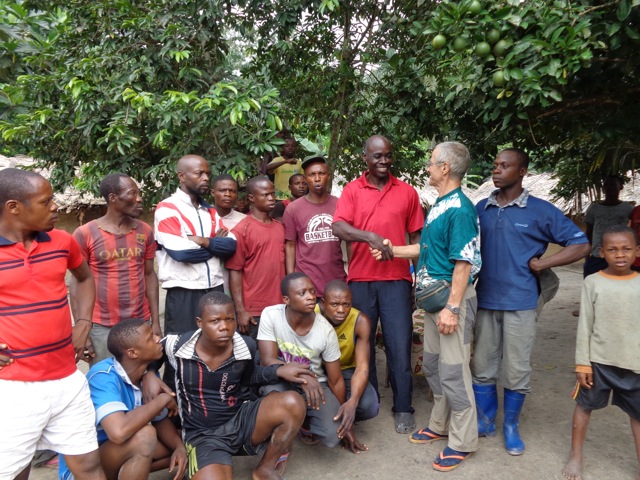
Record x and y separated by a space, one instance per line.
448 459
53 463
426 436
307 437
282 463
42 457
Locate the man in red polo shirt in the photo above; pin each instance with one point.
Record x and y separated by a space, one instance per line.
375 206
45 402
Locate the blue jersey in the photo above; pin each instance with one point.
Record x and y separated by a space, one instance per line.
111 391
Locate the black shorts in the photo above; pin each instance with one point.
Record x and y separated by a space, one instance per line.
218 445
624 384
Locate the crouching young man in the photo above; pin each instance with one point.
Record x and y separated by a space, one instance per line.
294 332
215 368
135 438
353 329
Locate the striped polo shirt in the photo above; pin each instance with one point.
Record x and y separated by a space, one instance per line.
35 320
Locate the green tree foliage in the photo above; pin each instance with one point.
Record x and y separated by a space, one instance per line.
331 61
561 80
558 78
132 85
101 86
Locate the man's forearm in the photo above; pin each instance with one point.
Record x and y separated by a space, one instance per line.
569 254
349 233
152 292
83 293
121 429
168 434
359 382
339 390
235 286
407 251
459 282
269 353
273 165
290 257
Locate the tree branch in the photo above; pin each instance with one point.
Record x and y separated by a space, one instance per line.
601 100
592 9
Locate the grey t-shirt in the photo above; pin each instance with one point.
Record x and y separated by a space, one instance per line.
320 344
603 216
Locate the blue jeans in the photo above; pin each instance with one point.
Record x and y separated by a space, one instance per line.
391 302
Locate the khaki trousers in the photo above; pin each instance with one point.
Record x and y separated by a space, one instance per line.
446 367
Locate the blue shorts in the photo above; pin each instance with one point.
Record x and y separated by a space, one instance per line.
623 383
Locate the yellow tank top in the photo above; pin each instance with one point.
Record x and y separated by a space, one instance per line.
347 339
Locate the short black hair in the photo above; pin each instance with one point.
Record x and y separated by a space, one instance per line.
123 335
253 183
292 178
111 184
521 155
223 177
213 298
613 229
286 282
17 184
617 178
336 285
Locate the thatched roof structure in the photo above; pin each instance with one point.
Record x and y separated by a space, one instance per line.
542 184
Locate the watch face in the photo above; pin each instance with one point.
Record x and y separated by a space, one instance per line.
455 310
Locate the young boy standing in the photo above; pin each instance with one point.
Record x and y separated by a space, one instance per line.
607 355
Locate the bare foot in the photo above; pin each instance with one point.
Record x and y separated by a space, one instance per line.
573 469
263 473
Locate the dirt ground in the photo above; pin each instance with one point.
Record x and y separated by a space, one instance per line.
545 425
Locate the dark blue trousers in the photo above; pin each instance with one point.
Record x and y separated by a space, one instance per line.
390 301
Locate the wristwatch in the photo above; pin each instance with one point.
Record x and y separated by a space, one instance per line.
452 309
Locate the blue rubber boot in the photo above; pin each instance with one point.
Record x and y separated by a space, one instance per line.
513 402
487 407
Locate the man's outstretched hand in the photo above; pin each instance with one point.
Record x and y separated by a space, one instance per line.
382 252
